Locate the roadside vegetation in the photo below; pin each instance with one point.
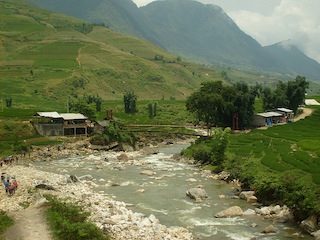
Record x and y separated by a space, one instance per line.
5 222
68 221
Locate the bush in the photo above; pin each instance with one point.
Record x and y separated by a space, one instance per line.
210 150
68 221
5 222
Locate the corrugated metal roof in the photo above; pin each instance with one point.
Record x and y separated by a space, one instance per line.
71 116
285 110
49 114
269 114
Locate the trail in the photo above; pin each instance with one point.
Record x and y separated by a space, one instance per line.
30 224
305 113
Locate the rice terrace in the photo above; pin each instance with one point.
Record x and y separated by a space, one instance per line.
283 147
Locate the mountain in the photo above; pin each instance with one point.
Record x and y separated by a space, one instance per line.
123 16
199 32
293 60
46 57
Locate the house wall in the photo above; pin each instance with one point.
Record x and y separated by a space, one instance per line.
259 121
49 129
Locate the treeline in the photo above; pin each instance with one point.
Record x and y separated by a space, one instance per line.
219 105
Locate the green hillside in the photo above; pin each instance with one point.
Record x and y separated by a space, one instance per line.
47 58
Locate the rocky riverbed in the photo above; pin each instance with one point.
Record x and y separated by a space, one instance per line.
112 216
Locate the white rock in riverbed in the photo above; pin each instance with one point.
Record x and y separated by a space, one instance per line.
106 213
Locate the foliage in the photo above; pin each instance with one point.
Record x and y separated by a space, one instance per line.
217 105
5 222
152 110
97 100
130 102
115 132
9 102
87 109
68 221
20 146
289 95
281 164
210 150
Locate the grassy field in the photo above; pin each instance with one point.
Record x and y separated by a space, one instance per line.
283 147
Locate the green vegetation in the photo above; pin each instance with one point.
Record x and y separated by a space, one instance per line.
5 222
210 150
289 95
68 221
281 164
115 132
221 105
130 103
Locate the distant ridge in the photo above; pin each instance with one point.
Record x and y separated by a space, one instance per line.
199 32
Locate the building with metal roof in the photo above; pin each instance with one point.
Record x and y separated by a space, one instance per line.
60 124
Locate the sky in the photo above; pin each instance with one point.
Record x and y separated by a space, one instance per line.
273 21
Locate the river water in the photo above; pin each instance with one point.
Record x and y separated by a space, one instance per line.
164 194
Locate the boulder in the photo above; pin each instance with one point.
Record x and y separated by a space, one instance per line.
223 175
191 180
249 212
310 224
147 172
123 157
149 151
269 229
197 193
246 195
73 178
230 212
316 235
87 177
252 199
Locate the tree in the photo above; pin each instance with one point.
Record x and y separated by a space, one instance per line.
9 102
210 150
81 106
97 100
289 95
150 110
216 104
296 91
244 104
130 102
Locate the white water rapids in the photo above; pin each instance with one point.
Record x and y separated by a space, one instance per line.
164 194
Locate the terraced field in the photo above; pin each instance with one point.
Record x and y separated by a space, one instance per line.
283 147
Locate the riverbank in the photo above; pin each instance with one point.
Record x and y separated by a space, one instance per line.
111 216
108 214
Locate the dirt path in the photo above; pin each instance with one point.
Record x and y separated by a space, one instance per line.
306 112
30 224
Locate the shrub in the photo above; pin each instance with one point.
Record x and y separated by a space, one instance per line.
68 221
5 222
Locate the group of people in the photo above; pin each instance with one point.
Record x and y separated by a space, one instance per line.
8 160
10 183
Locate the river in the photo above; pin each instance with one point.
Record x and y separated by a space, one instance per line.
164 194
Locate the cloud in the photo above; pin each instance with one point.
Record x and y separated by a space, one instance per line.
140 3
274 21
291 19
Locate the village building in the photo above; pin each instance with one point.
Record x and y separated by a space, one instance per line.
287 113
64 124
266 119
274 116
